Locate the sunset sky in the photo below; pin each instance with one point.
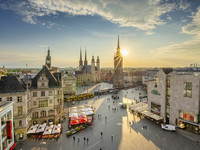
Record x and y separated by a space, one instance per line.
155 33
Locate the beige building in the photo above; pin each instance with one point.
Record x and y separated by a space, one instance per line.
69 84
88 73
35 100
176 98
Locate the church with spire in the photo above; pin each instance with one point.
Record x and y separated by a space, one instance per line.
88 73
118 68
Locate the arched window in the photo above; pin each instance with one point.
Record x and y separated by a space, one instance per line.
20 123
43 113
51 112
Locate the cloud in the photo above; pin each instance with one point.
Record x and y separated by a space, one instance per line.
194 26
142 14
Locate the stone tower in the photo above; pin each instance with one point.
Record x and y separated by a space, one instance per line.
118 68
48 59
85 62
80 61
98 63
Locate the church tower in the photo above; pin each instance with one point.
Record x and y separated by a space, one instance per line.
48 59
85 62
118 68
98 63
80 61
93 63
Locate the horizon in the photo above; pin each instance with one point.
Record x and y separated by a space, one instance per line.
165 34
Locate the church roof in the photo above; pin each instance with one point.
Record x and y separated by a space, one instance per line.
87 69
10 84
54 79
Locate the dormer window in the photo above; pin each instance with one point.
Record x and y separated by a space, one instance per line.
42 84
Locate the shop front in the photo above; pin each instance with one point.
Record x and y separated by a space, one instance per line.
189 121
155 109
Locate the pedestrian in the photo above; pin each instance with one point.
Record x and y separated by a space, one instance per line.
111 136
101 133
129 122
87 140
133 122
78 139
105 118
74 138
84 139
108 106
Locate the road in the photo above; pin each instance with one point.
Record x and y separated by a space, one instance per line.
125 136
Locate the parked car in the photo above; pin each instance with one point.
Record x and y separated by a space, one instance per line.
168 127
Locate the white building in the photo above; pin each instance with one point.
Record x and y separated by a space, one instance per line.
6 126
11 89
176 98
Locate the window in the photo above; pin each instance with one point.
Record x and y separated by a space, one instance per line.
43 103
9 98
3 120
20 123
20 110
50 101
42 84
28 96
19 99
156 81
42 93
9 115
50 93
188 89
50 112
34 94
0 99
35 103
35 114
43 113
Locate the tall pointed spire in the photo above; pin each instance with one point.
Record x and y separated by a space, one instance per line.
80 61
80 54
85 62
118 48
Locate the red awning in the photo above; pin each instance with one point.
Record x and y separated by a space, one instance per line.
12 146
84 120
74 122
74 118
82 117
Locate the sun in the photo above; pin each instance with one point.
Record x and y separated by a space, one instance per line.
124 52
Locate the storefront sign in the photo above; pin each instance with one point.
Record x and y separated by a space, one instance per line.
155 92
9 129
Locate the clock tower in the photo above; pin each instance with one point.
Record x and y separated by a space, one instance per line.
48 59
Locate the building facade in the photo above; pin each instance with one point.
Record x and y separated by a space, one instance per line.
118 68
88 73
11 89
6 126
176 98
35 99
69 84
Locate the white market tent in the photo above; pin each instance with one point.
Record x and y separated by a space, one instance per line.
32 129
81 114
88 109
73 115
56 129
89 112
47 131
41 128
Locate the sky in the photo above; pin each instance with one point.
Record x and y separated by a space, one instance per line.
155 33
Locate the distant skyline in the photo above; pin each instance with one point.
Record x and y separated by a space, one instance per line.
155 33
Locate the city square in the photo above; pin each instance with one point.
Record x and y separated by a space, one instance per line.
125 136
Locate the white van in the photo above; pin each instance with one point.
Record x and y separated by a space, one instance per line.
168 127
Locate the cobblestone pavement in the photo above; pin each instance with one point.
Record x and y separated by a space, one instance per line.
125 136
